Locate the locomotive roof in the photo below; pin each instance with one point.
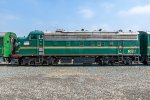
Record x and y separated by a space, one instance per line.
36 32
91 36
89 33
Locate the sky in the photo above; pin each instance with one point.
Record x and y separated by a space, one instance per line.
23 16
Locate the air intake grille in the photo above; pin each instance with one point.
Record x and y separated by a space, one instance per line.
91 37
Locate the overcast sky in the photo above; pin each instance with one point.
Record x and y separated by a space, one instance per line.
23 16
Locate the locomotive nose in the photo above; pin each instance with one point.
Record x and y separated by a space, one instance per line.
8 45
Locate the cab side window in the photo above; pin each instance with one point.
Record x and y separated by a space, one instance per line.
32 37
67 43
111 43
103 44
40 36
98 43
81 43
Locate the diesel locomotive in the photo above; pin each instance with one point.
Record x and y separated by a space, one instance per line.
104 48
79 47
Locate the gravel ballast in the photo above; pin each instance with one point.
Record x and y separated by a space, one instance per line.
75 83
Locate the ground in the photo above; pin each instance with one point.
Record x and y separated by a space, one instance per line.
75 83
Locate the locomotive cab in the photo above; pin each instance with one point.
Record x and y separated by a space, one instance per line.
36 40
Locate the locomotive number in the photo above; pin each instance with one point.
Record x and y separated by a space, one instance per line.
131 51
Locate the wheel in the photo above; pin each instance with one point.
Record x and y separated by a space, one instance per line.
22 62
32 63
125 62
129 62
145 62
106 62
45 63
100 63
51 61
111 63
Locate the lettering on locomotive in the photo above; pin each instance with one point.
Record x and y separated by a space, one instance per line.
131 51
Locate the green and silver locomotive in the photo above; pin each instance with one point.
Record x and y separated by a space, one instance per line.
80 47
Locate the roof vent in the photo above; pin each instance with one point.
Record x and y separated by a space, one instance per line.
100 30
130 31
120 30
59 30
82 29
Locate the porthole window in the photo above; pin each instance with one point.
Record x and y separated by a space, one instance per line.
81 43
55 43
67 43
103 44
120 43
92 44
111 43
98 43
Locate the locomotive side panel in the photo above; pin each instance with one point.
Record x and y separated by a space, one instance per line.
91 47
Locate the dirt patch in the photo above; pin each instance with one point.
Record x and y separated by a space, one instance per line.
147 70
66 72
